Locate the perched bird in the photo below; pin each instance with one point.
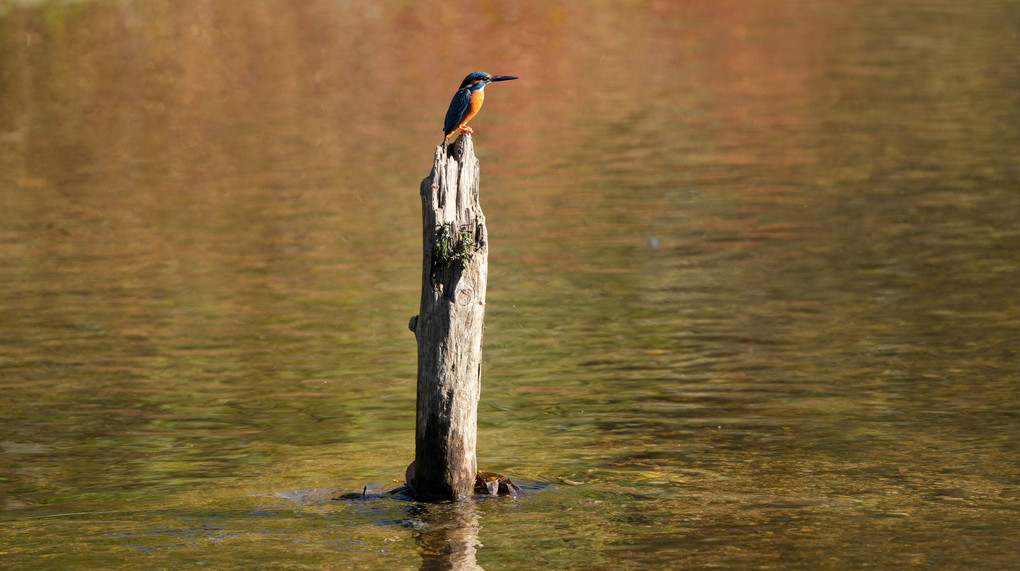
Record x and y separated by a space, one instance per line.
468 100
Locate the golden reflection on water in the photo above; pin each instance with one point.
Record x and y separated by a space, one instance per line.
752 281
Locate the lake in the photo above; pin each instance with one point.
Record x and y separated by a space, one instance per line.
753 283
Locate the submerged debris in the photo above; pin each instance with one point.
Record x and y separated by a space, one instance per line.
493 484
486 484
354 495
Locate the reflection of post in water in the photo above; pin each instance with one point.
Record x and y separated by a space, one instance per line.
448 536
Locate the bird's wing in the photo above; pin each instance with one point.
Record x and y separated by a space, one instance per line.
458 107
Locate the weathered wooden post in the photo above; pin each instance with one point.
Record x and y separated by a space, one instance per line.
448 326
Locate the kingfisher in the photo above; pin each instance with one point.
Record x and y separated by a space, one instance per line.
468 100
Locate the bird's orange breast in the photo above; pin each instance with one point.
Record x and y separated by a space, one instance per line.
474 104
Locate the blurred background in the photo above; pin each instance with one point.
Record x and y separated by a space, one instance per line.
752 290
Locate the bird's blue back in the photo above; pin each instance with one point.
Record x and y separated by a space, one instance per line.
458 107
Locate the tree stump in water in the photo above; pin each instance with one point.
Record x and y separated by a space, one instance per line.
448 327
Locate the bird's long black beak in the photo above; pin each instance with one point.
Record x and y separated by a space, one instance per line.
503 77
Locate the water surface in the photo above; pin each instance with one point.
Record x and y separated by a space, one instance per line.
752 290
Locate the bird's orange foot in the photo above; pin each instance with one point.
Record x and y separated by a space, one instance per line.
467 129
